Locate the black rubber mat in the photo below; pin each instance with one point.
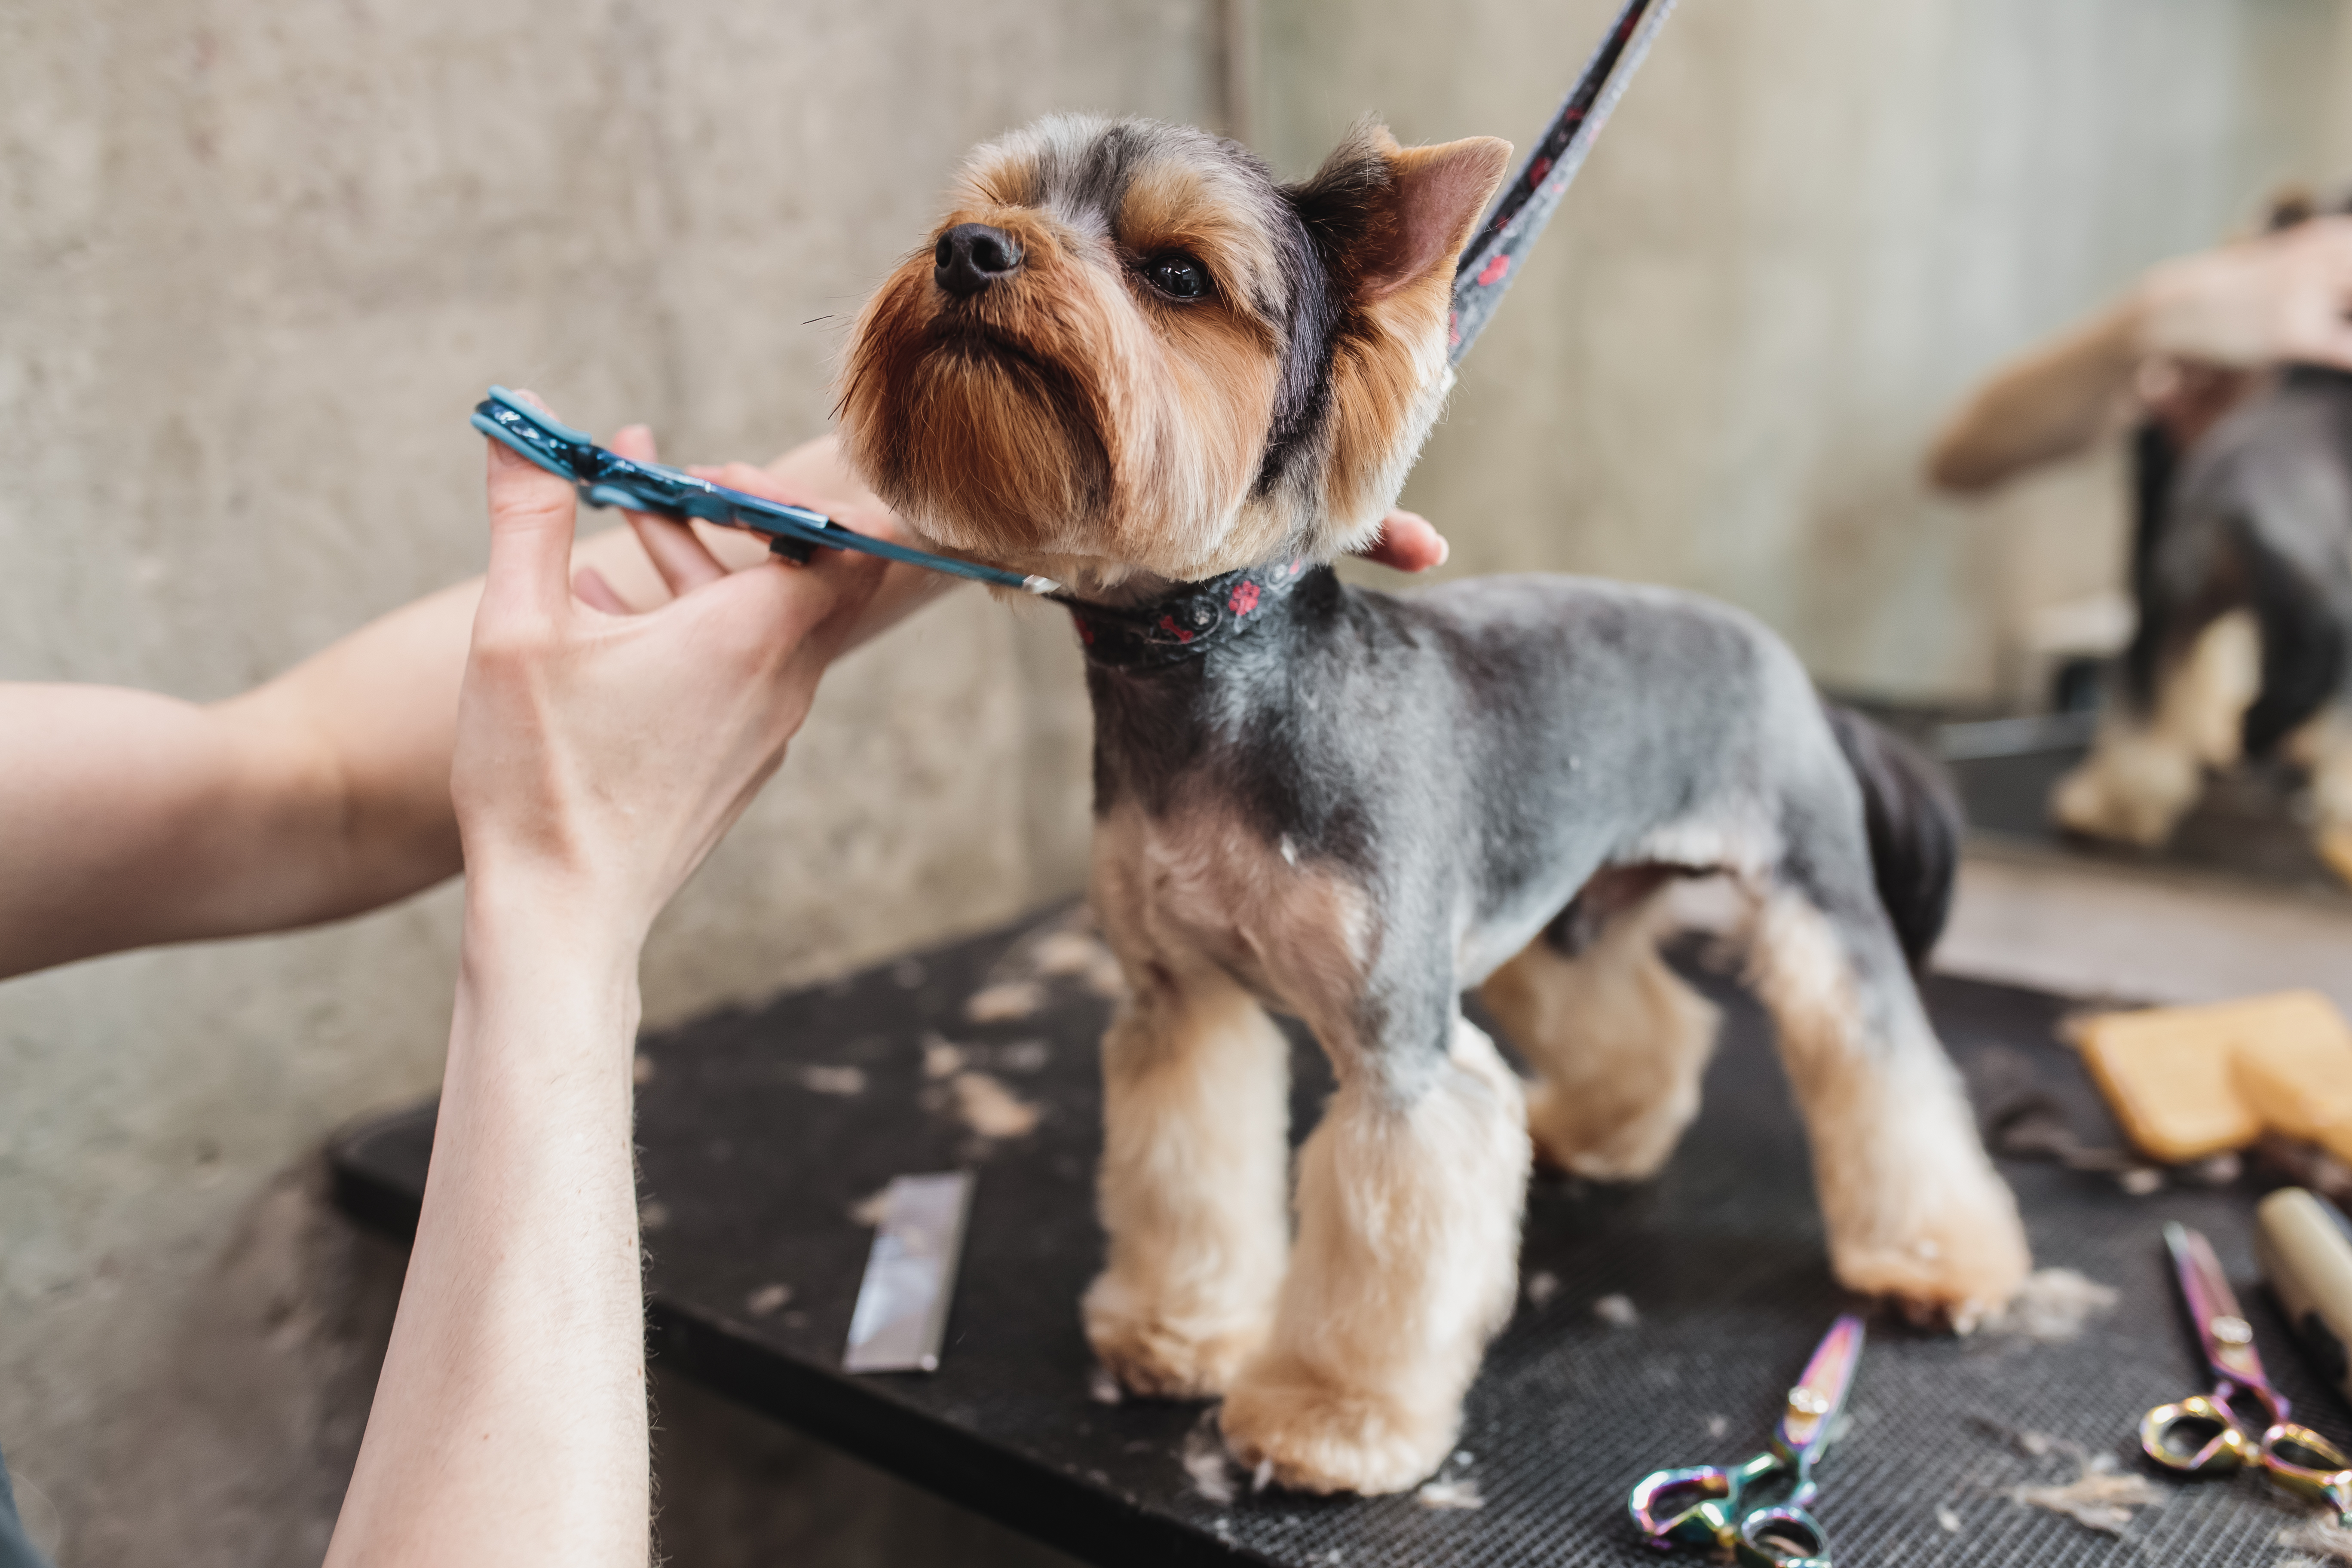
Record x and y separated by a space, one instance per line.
2246 824
753 1163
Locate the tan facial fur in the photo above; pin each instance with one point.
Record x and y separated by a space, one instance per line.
1073 421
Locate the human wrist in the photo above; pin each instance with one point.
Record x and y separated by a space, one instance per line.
2147 320
535 913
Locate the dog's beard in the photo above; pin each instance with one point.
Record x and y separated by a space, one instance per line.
986 442
1002 449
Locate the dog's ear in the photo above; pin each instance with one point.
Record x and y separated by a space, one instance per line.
1420 204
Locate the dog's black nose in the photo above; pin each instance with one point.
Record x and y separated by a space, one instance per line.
971 256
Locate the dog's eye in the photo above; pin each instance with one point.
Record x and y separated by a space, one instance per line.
1177 276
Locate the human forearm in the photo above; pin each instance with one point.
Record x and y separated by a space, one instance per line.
128 818
2047 404
509 1422
2282 297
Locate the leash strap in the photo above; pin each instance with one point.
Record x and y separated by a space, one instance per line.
1528 202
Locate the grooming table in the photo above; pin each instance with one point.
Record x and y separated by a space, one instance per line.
758 1146
2244 825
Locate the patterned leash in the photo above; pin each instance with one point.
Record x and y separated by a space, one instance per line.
1528 202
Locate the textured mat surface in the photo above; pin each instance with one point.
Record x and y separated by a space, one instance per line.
762 1130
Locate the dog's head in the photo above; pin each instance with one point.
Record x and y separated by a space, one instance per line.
1128 351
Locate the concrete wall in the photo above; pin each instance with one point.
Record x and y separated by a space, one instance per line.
256 264
1810 225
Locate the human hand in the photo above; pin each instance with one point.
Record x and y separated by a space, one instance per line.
599 753
2285 297
816 475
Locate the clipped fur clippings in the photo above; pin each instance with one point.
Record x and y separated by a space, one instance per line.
2053 1306
1447 1495
2100 1498
1207 1463
993 1112
2319 1537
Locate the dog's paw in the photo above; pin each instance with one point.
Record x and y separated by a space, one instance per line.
1953 1273
2127 794
1160 1357
1315 1437
2333 846
1631 1149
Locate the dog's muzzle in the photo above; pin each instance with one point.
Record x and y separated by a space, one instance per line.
971 256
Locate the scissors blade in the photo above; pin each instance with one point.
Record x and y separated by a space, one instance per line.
607 478
2222 1332
1819 1393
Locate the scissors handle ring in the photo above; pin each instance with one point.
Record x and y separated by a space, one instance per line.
1783 1536
1686 1509
2215 1446
2308 1465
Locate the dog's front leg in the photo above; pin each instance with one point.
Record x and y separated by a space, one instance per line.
1195 1149
1410 1193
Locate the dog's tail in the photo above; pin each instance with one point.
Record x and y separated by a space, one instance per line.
1915 826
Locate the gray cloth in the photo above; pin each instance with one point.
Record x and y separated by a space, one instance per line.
15 1551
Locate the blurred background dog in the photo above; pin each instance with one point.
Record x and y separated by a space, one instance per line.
2242 578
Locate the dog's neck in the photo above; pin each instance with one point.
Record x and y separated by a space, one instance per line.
1188 620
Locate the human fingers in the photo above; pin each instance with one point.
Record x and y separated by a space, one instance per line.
784 481
813 474
2328 319
2330 345
680 558
597 593
533 515
816 475
1408 541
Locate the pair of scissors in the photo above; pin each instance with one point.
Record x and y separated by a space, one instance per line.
1757 1512
604 478
2208 1434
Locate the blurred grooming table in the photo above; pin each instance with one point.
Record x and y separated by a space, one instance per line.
2243 828
764 1133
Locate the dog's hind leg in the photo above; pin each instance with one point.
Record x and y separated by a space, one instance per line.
1410 1193
2144 771
1618 1040
1914 1208
1191 1186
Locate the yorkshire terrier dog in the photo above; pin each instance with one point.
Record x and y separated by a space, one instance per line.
1132 361
2242 574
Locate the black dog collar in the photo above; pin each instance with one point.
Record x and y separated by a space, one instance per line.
1189 622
